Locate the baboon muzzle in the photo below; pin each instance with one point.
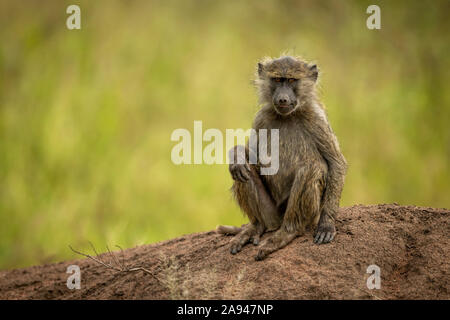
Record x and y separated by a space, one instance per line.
284 100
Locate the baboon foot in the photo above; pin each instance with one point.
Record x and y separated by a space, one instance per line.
249 233
280 239
325 232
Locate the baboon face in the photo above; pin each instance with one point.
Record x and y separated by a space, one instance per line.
284 95
286 83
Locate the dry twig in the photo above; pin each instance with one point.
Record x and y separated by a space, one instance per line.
115 263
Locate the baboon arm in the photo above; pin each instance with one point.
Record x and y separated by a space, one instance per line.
238 153
328 147
292 221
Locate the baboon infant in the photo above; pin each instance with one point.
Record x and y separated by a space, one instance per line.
305 191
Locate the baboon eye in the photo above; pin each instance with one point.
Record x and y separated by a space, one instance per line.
291 80
277 79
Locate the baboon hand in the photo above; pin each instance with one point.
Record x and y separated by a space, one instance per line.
240 172
325 233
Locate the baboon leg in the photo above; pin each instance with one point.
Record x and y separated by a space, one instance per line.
303 208
258 205
256 202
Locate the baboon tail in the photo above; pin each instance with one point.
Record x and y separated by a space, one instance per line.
228 230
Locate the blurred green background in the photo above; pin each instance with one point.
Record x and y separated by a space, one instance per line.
86 115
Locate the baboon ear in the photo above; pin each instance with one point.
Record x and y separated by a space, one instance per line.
260 70
314 72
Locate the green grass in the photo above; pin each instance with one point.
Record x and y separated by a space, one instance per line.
86 115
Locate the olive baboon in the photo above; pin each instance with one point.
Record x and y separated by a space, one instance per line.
305 191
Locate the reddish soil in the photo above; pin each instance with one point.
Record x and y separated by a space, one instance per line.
409 244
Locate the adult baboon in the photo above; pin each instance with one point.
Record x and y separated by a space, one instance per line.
308 185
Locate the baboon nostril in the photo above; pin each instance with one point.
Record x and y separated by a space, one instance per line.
282 101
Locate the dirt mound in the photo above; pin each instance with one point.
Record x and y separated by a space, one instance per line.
409 244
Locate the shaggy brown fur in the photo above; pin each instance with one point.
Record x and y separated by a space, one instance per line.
306 190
